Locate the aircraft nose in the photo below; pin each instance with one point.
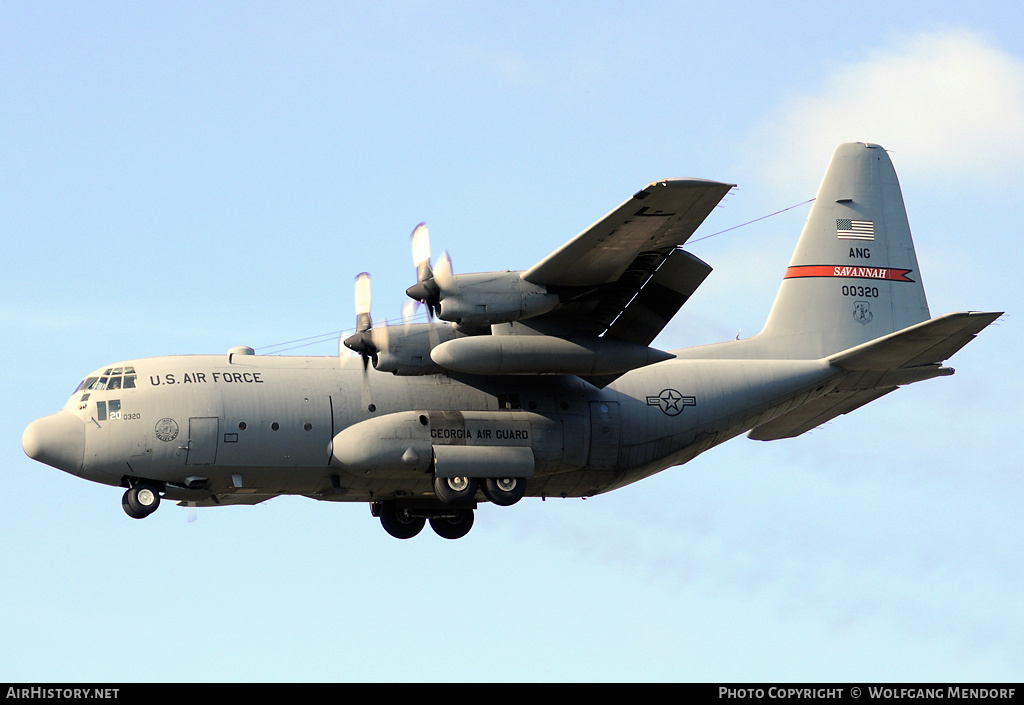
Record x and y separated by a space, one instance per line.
57 440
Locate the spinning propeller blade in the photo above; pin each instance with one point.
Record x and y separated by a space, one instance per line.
363 321
420 240
426 289
362 340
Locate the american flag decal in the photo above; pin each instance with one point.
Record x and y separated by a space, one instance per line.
847 229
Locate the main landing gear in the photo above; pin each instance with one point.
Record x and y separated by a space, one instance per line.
451 515
141 500
403 520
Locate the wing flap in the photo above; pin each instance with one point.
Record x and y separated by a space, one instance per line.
650 309
659 217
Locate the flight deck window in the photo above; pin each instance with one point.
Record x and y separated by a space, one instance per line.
111 379
87 384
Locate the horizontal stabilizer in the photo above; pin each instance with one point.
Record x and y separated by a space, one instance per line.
815 413
922 344
876 368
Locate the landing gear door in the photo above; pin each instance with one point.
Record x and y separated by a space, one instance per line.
202 440
604 434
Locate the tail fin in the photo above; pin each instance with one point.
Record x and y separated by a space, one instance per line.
854 276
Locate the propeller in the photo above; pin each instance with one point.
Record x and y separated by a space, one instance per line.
362 340
429 283
366 340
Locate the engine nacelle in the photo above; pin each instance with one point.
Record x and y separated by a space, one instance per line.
492 297
405 350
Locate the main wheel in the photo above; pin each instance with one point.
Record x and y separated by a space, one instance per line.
455 490
455 526
504 491
140 501
398 522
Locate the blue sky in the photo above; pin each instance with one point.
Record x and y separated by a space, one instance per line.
184 178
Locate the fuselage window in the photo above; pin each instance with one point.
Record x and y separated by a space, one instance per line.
508 401
108 409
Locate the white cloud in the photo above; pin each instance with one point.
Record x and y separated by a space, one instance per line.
947 103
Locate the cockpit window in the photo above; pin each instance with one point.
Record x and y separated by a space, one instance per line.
87 384
112 379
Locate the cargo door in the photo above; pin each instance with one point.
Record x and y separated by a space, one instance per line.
202 440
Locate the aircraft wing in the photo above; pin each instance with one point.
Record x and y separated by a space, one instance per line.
635 307
658 218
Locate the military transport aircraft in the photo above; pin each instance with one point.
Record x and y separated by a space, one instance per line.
537 383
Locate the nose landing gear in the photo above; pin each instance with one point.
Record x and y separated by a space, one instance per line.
141 500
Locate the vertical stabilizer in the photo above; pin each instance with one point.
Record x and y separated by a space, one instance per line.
854 276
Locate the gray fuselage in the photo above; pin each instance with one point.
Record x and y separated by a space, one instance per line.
237 425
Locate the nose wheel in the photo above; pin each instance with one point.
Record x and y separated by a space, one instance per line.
140 501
